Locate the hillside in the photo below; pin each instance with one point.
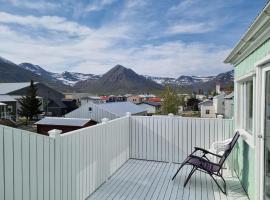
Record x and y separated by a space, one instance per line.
119 80
10 72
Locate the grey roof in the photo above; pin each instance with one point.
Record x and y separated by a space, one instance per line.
6 88
155 104
63 121
206 103
6 98
121 108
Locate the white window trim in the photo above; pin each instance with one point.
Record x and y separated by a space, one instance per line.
249 138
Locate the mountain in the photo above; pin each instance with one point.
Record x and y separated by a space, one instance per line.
10 72
196 83
119 80
71 78
66 78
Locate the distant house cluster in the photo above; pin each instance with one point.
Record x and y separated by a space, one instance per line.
221 104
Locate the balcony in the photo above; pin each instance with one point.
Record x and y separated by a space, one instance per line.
140 179
133 157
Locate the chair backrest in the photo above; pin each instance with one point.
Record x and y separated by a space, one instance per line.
229 148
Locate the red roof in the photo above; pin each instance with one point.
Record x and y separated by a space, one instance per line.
154 99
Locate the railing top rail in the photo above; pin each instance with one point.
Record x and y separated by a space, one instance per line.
178 116
92 127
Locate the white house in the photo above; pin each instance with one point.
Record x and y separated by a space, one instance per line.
219 104
229 106
207 109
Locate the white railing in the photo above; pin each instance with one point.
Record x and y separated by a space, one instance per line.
90 156
73 165
172 138
27 165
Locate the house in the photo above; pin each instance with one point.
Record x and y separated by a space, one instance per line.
229 106
135 99
93 99
150 107
64 124
219 104
207 109
11 105
3 110
251 60
53 104
154 99
106 110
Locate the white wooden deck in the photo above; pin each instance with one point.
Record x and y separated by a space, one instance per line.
150 180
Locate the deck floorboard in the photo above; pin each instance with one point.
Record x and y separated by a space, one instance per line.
139 179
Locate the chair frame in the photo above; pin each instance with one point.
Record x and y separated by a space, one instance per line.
204 159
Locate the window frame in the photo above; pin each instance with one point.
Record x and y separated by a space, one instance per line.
240 111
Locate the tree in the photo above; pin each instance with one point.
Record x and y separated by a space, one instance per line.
171 101
30 104
193 104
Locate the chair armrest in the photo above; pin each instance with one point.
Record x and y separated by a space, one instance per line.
203 160
206 151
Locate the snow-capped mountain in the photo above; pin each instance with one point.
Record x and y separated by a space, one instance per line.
71 78
181 81
81 81
67 78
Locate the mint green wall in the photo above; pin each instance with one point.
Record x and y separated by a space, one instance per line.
249 63
245 167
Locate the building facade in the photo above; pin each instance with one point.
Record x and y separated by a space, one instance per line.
251 60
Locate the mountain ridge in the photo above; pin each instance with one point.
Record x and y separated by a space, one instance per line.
118 79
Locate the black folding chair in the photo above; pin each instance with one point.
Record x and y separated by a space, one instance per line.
203 164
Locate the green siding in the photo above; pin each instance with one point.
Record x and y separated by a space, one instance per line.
245 166
249 63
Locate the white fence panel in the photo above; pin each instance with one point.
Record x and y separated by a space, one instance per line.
172 138
91 155
24 165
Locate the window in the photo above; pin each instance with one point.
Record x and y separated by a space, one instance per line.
90 109
249 106
207 112
246 96
10 109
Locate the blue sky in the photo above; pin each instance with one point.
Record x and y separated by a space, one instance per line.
154 37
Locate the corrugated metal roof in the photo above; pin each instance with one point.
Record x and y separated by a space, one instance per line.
63 121
6 98
6 88
121 108
2 104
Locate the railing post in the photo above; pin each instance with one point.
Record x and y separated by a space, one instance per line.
55 134
104 120
220 116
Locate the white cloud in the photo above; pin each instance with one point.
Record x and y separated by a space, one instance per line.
97 50
34 5
191 28
98 5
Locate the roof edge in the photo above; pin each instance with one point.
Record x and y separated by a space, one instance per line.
246 45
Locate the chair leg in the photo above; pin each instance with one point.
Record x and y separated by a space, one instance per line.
224 189
182 165
190 174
